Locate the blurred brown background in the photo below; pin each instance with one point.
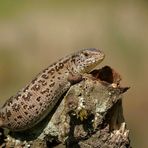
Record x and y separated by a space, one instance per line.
33 34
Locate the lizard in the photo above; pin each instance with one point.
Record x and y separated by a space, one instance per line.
36 100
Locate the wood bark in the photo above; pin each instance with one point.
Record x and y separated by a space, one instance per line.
89 115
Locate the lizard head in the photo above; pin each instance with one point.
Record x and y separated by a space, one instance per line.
86 59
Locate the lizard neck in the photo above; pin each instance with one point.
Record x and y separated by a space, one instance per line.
67 63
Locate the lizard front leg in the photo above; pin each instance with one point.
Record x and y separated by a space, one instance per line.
74 78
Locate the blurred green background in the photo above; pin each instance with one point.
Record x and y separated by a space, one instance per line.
33 34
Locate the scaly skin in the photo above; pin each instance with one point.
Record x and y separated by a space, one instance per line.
32 103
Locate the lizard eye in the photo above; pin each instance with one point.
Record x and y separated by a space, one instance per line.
86 54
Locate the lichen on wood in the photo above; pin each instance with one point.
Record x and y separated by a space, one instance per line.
90 114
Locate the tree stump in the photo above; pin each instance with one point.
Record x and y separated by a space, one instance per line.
89 115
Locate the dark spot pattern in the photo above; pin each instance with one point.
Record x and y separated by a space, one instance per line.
45 105
45 69
34 80
16 107
19 117
53 76
27 96
19 123
73 58
25 106
18 96
31 106
58 78
41 103
9 101
52 84
45 91
35 87
26 88
26 113
43 82
45 76
48 95
51 71
2 115
9 125
38 99
8 113
59 66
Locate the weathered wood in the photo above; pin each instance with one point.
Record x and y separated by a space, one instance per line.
89 115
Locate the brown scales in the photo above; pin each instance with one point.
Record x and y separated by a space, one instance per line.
31 104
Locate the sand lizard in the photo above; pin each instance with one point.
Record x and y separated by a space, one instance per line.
32 103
